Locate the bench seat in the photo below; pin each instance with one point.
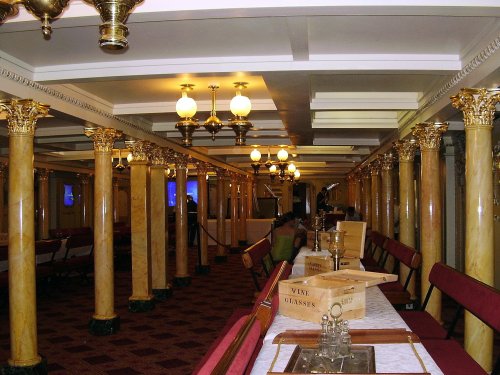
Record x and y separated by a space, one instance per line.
423 324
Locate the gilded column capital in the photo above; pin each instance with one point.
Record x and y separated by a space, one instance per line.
429 134
496 157
22 115
477 105
104 138
386 161
366 172
406 149
221 173
181 161
140 150
374 167
43 174
202 167
158 156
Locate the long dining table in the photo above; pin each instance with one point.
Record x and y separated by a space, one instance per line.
380 314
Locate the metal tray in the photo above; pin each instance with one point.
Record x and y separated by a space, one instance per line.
307 361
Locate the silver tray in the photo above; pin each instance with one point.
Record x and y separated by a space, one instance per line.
307 361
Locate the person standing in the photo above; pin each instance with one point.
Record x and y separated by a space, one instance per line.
322 200
192 209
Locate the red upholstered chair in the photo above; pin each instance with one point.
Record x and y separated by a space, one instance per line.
369 261
48 248
396 292
73 262
243 355
257 259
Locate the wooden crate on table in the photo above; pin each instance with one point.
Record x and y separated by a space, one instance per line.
308 298
323 239
354 238
321 264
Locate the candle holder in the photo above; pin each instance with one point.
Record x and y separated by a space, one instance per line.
336 247
322 214
316 227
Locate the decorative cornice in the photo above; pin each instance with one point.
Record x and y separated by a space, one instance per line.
477 105
406 149
429 135
22 115
479 59
104 138
60 96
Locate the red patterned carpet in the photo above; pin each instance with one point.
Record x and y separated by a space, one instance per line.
171 339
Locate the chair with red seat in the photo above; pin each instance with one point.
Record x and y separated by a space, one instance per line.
45 251
73 261
369 261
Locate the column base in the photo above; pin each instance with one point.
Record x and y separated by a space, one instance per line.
141 305
104 327
243 243
38 369
219 259
203 269
163 294
182 281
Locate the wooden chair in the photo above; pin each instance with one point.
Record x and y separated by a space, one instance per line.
73 262
369 261
257 259
47 248
476 297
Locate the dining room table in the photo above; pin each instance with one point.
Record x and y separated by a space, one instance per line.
397 357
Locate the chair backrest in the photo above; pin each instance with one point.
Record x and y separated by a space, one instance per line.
378 239
79 240
254 254
67 232
244 352
478 298
47 246
275 276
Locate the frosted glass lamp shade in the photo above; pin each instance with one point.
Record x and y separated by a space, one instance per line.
272 169
255 155
282 155
186 107
291 168
240 105
296 174
130 157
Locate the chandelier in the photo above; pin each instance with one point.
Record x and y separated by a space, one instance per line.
240 107
113 13
287 171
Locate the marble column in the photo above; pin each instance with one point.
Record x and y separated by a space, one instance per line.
159 258
3 173
21 123
243 212
221 252
357 191
367 191
406 150
478 107
376 211
141 299
387 206
429 136
250 194
104 321
116 202
182 277
43 203
234 211
85 217
203 266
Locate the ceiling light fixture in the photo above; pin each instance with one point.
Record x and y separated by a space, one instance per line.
240 108
113 13
285 168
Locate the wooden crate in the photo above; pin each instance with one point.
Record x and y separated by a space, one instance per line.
354 238
322 264
308 298
369 278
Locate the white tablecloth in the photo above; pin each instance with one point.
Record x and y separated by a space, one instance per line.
379 315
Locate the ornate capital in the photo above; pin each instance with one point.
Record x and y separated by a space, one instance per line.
140 150
406 149
374 167
477 105
429 134
386 161
43 174
202 167
366 172
221 173
104 138
181 161
496 156
157 155
22 115
3 169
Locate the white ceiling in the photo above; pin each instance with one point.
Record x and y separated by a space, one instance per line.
320 73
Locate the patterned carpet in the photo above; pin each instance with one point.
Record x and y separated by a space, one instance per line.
171 339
